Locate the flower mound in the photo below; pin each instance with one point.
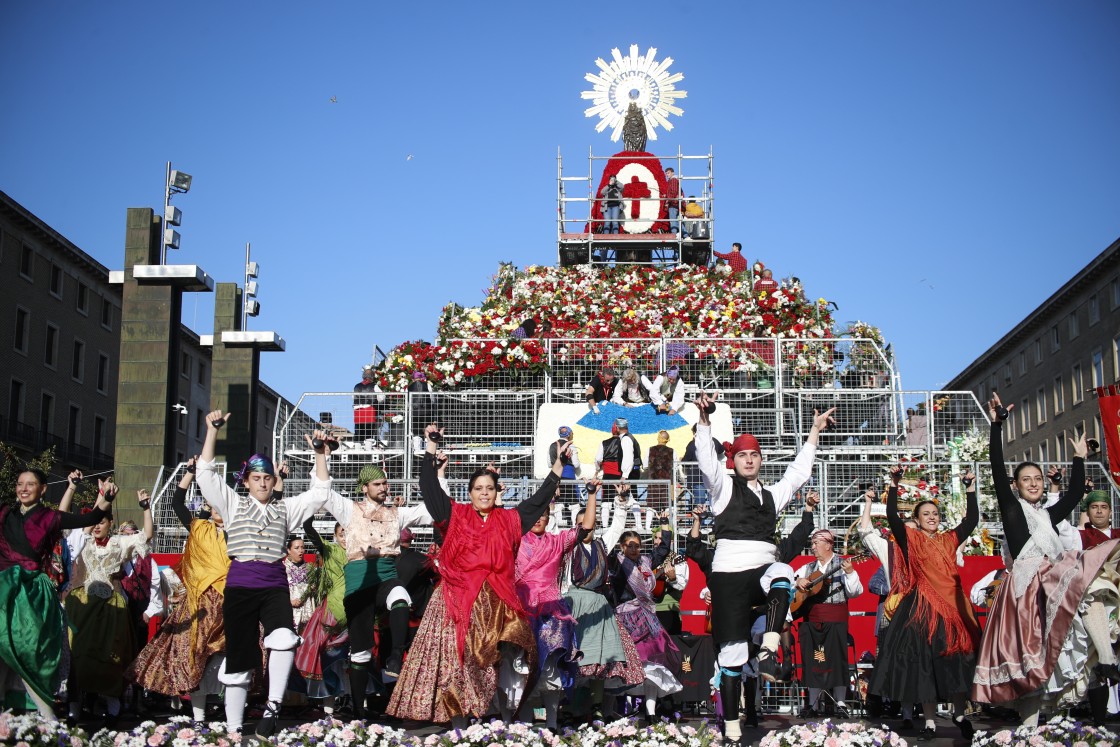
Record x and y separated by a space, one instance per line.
343 734
180 731
1058 732
32 729
829 734
626 733
495 733
583 302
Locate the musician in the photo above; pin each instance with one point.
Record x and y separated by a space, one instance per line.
829 582
745 568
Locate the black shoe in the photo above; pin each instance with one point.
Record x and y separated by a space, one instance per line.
965 726
750 720
1107 673
266 727
767 665
112 722
927 734
392 666
808 713
907 725
842 711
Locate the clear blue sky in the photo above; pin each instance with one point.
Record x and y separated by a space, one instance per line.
902 158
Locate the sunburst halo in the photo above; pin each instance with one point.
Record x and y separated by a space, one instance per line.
636 78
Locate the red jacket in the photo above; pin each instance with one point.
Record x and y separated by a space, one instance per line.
1092 537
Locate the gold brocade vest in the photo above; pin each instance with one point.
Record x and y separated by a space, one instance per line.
373 525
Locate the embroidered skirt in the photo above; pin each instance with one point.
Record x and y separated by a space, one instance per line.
169 664
608 650
101 639
435 685
321 658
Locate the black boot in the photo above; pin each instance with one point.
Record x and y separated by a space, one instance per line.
750 689
398 629
1098 705
359 680
730 693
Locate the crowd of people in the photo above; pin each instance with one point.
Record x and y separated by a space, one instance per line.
511 613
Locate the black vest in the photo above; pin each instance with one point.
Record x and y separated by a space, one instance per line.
612 452
744 518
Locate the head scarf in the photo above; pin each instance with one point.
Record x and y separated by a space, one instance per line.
256 463
1095 496
369 473
745 442
565 432
823 534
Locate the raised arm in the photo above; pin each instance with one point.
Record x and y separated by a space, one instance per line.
622 506
67 499
214 489
715 479
532 507
898 527
872 540
790 547
587 526
179 497
971 509
1015 529
144 500
434 496
313 536
801 468
1060 511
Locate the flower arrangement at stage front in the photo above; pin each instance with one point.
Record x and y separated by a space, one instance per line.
635 302
31 730
180 731
330 731
1058 732
830 734
627 733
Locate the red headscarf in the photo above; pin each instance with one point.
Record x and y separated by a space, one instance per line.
745 442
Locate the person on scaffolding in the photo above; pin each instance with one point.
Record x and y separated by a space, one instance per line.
745 568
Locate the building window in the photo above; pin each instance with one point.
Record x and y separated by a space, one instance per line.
1059 396
15 401
1025 416
102 373
994 384
82 303
1094 309
181 415
50 354
268 416
1115 292
46 414
23 324
1040 405
27 263
106 314
78 367
1079 430
1074 325
202 373
98 435
1055 340
1006 373
56 281
1116 358
1078 384
1009 426
1098 367
1043 455
1097 427
1060 442
1022 362
199 425
1038 350
185 365
1027 456
74 426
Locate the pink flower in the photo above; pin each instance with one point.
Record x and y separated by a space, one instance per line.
185 734
155 740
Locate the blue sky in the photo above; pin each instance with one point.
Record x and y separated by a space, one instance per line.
936 168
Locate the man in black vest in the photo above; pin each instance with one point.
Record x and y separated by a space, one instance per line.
620 456
745 568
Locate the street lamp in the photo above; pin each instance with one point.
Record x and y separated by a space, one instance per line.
177 182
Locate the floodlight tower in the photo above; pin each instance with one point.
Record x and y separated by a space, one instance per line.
250 306
177 182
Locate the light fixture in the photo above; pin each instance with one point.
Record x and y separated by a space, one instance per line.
251 288
176 182
171 238
252 269
172 216
252 307
179 181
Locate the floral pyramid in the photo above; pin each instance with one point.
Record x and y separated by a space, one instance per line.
585 302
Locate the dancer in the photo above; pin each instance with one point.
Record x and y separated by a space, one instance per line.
745 572
102 641
1033 612
298 572
31 625
474 623
928 652
537 579
188 650
609 654
372 542
326 641
633 576
256 594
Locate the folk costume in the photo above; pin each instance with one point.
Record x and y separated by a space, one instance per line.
102 640
1034 616
927 653
321 657
373 532
475 617
31 625
823 633
256 592
187 651
745 569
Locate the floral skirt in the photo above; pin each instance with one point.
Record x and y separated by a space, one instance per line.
1026 634
31 629
321 658
435 684
558 651
659 654
101 640
169 664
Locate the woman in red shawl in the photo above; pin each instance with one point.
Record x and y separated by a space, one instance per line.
928 653
474 624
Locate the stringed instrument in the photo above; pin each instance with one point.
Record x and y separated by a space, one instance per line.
816 584
659 575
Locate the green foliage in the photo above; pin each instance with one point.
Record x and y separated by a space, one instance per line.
13 464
